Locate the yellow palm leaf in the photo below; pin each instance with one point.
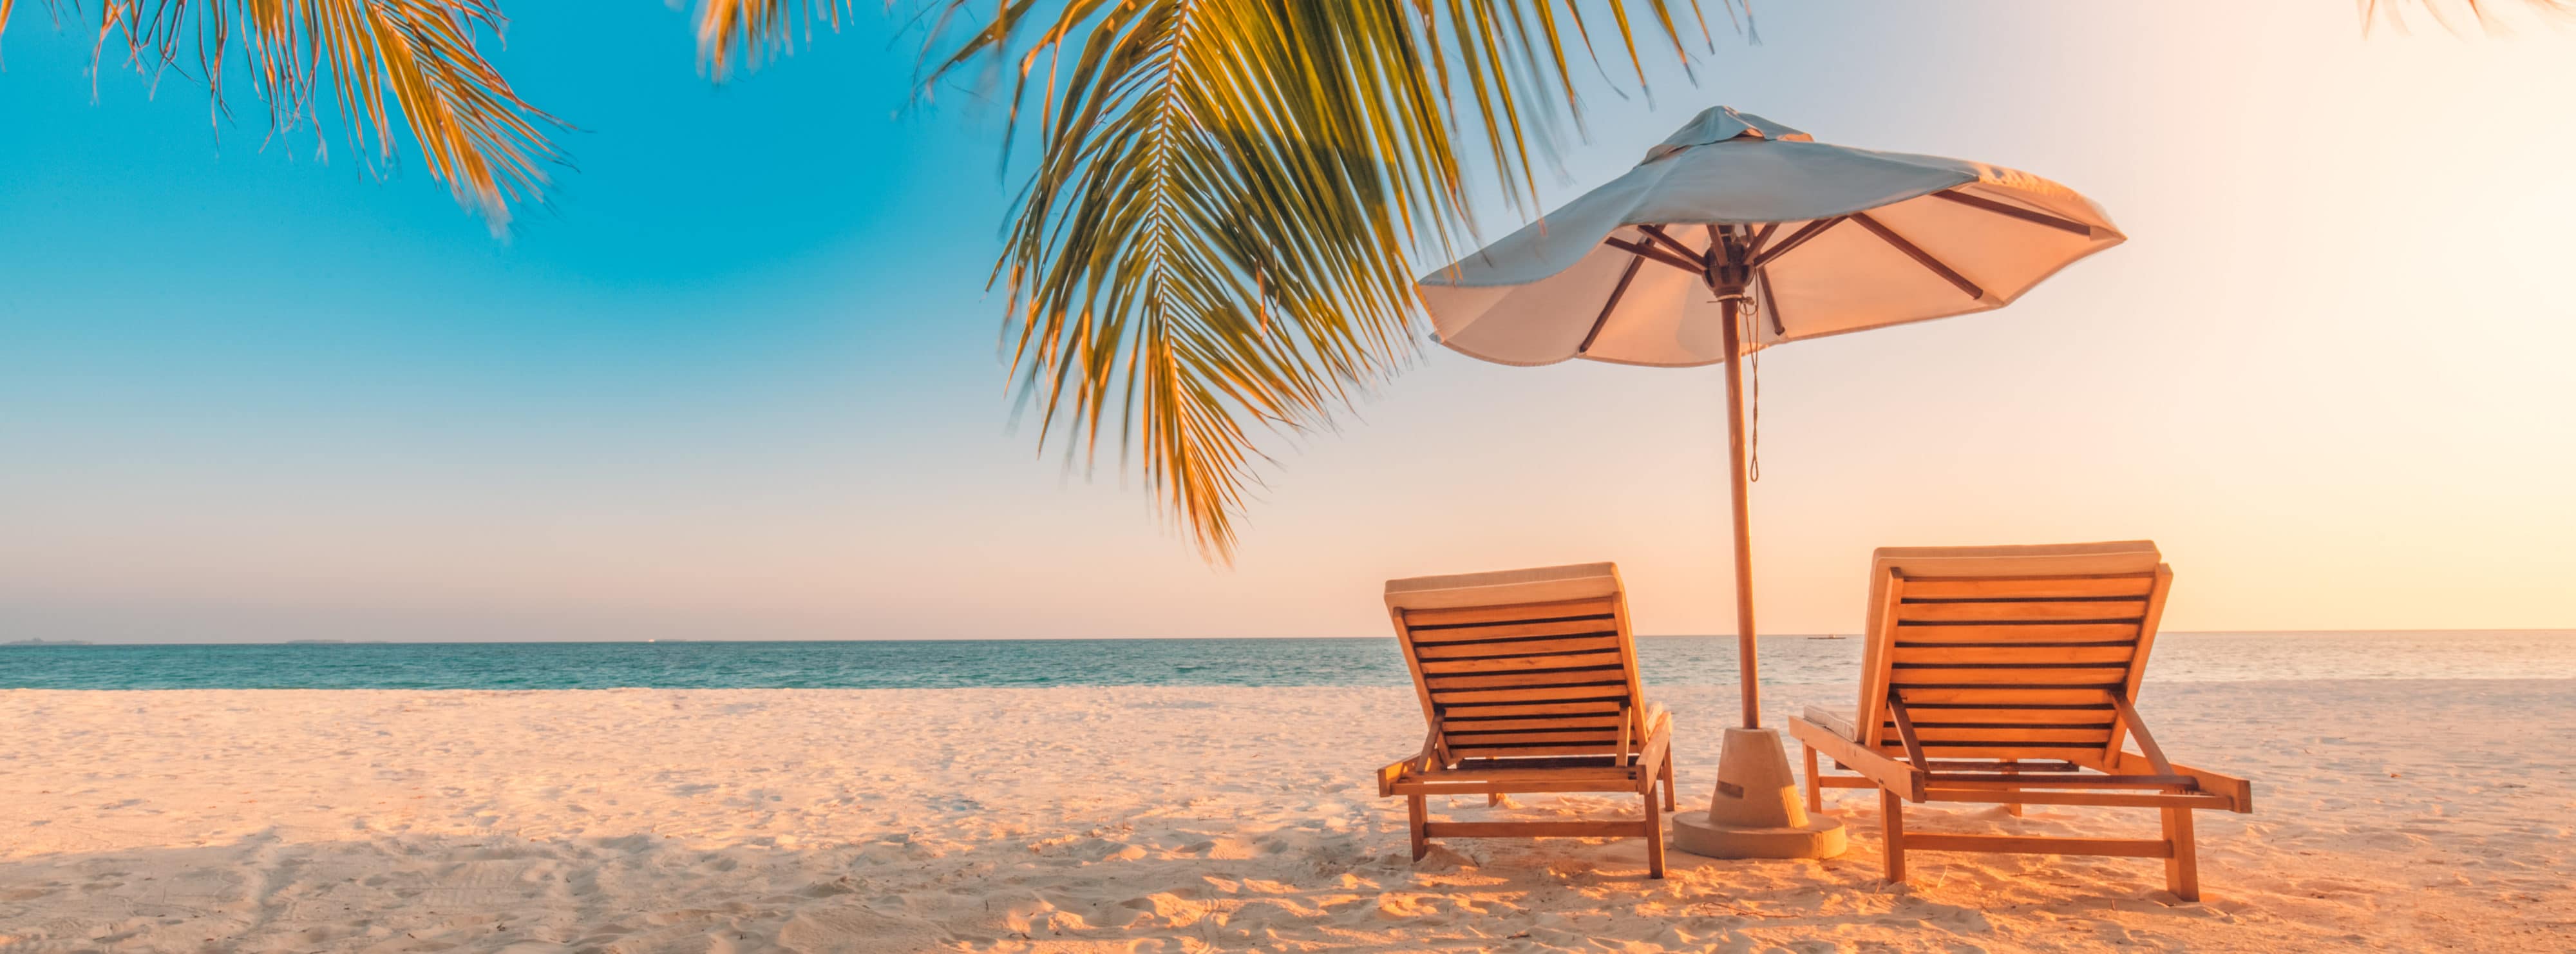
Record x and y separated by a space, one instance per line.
411 65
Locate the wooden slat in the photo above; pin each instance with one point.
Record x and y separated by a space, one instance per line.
1500 680
1454 724
2109 676
2116 655
1516 629
1495 752
1980 780
1598 771
1981 612
1471 740
2022 633
1993 750
2018 767
2011 733
2035 587
1473 615
1577 765
1566 694
2115 799
1434 667
1610 707
1584 829
1973 750
2033 845
2005 718
1917 696
1553 782
1518 647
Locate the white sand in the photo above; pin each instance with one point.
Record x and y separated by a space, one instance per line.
2391 815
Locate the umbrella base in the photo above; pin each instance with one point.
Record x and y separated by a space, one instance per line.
1756 811
1819 838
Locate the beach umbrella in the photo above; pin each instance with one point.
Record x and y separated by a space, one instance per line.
1739 233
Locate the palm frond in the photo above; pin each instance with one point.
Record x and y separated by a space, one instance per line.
741 33
412 64
1217 238
2457 16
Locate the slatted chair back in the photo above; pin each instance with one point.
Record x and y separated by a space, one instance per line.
2021 653
1530 667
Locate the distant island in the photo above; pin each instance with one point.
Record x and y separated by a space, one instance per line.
48 642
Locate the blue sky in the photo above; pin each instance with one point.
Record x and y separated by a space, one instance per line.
740 379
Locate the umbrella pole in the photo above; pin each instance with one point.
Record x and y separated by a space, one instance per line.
1745 658
1755 812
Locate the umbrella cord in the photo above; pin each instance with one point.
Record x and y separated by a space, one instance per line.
1751 326
1754 460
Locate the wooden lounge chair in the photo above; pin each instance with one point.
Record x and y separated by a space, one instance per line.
1528 680
2006 675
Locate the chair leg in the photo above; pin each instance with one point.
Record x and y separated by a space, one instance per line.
1668 780
2182 871
1891 810
1493 798
1415 813
2013 809
1654 837
1815 787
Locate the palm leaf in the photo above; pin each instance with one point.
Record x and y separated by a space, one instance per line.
1218 235
2482 14
383 64
1217 240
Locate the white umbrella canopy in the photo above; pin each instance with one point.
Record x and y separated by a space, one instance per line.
1738 217
1835 240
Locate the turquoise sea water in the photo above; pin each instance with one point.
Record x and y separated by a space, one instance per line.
1668 660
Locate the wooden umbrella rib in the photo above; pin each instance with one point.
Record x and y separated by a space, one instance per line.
2014 211
1919 256
1772 302
1611 304
1656 232
1795 239
1644 250
1753 246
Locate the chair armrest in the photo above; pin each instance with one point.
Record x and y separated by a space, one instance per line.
1659 740
1395 771
2238 792
1905 780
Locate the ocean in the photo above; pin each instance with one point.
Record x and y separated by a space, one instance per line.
895 664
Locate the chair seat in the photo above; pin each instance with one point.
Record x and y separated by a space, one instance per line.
1837 720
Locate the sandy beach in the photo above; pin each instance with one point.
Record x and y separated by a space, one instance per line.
2391 815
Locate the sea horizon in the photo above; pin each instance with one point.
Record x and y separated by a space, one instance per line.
40 641
1786 659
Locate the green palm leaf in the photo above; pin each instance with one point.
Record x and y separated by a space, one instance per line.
383 63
